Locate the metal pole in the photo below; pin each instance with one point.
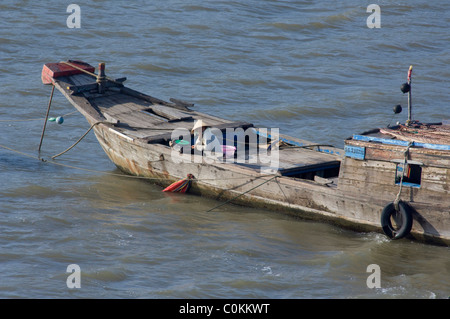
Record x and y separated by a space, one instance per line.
409 104
409 97
46 118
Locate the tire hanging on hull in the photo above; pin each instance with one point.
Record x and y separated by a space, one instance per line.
403 215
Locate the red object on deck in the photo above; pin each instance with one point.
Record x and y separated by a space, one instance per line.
51 71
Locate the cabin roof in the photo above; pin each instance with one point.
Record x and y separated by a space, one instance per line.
427 136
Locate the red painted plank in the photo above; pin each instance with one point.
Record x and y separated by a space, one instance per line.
52 71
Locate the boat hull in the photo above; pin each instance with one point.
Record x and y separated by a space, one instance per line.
299 198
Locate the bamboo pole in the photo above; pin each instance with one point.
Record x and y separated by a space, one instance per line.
46 118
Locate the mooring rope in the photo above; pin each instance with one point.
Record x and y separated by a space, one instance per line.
397 199
242 194
79 140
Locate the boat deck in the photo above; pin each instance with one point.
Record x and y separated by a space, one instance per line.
152 120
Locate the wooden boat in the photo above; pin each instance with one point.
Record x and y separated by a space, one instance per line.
381 181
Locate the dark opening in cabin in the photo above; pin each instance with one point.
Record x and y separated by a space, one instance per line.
328 170
411 175
300 162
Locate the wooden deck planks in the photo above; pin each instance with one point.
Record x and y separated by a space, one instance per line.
82 79
304 157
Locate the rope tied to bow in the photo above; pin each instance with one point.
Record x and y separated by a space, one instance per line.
405 161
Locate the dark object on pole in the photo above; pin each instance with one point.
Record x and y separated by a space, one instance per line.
397 109
405 87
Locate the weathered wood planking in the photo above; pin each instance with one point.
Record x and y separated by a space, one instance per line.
82 79
360 177
290 160
378 177
79 101
376 151
116 103
304 156
170 114
435 177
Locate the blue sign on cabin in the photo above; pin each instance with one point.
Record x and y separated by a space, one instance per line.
356 152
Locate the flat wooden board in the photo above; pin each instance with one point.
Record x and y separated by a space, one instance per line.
294 160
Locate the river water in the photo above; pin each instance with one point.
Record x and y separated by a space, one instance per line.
314 69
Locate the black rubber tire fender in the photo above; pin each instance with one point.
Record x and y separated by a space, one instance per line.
406 216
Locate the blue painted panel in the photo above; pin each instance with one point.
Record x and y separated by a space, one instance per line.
401 143
355 152
366 138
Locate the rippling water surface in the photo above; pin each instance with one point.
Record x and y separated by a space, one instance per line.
312 68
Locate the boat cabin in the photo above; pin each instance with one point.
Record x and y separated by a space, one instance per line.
381 161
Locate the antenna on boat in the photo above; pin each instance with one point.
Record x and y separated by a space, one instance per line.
406 88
